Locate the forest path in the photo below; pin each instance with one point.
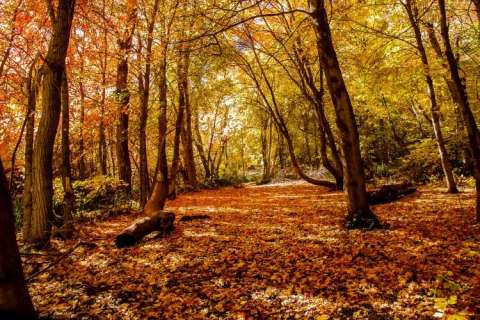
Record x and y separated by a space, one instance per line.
277 252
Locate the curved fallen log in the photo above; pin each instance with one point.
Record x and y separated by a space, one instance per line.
158 221
390 192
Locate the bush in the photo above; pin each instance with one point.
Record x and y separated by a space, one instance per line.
94 193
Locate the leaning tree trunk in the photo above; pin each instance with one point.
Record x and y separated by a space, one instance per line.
52 72
66 231
123 98
359 213
435 109
472 130
15 302
31 92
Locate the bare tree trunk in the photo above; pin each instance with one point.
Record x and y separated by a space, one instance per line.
178 126
266 176
469 119
200 149
52 72
66 230
359 213
15 302
31 92
82 168
184 99
123 98
102 143
435 109
145 96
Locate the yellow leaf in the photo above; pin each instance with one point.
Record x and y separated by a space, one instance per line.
322 317
452 300
441 303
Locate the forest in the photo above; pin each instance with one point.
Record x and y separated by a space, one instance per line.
253 159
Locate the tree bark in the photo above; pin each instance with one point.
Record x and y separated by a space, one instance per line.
52 71
434 107
123 97
15 302
82 168
145 96
359 213
200 148
102 143
66 231
31 92
184 99
468 118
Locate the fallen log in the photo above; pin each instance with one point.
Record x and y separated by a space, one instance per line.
158 221
390 192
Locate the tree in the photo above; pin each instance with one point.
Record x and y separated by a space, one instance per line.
52 72
31 88
468 118
144 99
412 11
15 302
122 93
66 230
359 213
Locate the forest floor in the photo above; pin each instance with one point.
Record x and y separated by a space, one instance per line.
273 252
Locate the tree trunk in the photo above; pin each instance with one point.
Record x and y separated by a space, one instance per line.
52 71
145 96
123 98
200 149
184 99
102 143
469 119
142 140
359 213
66 231
31 92
82 168
435 109
15 302
178 128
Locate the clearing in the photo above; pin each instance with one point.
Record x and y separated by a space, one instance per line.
275 251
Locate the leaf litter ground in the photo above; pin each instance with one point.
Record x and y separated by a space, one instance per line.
273 252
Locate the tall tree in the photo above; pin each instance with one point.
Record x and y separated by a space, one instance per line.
31 92
144 99
15 302
102 140
66 230
412 12
359 213
52 73
122 93
468 117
